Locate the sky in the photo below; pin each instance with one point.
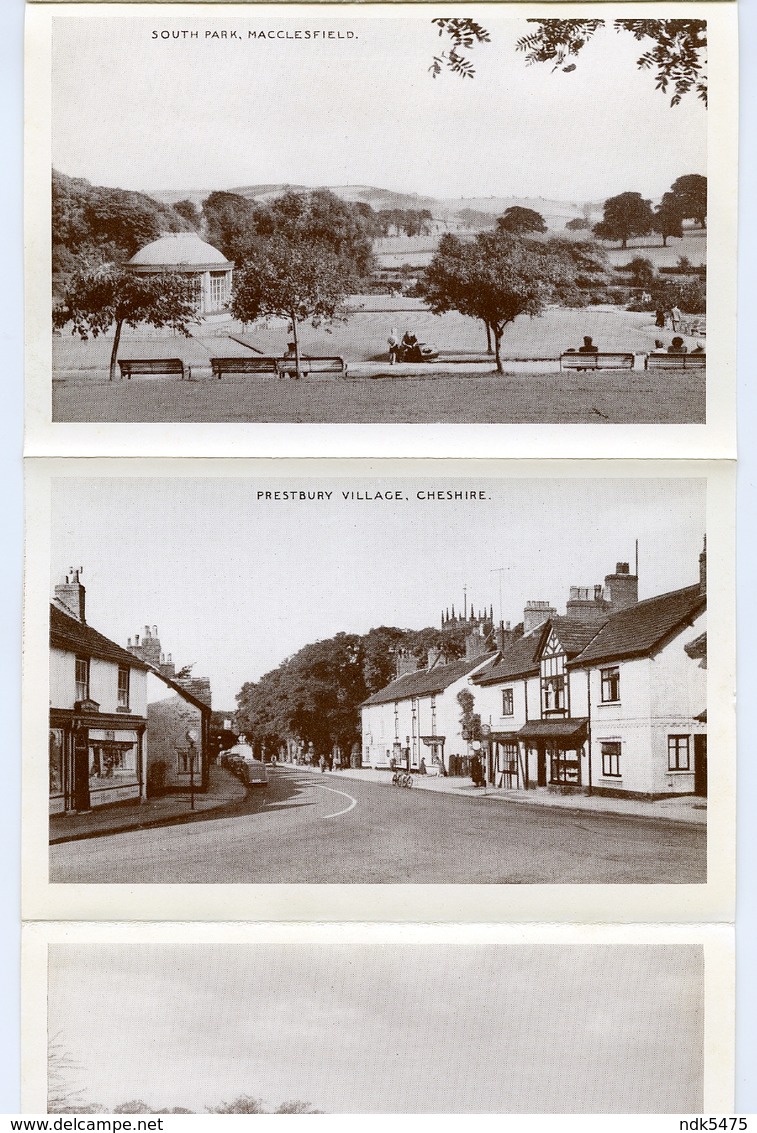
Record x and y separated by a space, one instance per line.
133 110
236 584
495 1028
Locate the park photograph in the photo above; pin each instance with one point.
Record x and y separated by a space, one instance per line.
378 217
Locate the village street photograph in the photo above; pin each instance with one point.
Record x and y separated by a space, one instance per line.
478 679
377 218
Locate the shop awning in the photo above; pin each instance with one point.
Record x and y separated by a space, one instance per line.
504 737
433 741
573 730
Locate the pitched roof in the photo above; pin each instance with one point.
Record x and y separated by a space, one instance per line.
426 682
77 637
573 633
517 661
179 688
644 627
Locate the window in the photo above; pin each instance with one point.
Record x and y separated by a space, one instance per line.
396 720
611 759
678 753
553 685
217 288
82 678
610 685
56 761
109 760
565 767
507 702
123 686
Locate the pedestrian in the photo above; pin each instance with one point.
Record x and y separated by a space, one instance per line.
659 320
675 318
322 764
394 346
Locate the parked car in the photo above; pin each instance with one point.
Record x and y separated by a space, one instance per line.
241 761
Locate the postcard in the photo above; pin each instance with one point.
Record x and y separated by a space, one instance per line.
538 1019
273 230
379 690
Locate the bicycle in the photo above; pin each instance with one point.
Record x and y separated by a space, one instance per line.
402 779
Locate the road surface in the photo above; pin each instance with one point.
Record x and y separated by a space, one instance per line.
307 828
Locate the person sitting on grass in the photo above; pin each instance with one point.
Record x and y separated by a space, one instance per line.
678 346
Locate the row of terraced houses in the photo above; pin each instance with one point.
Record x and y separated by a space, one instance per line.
609 698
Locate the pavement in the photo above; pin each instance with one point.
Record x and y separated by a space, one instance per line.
224 792
687 808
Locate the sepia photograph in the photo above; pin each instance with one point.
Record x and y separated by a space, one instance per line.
342 1020
383 217
379 678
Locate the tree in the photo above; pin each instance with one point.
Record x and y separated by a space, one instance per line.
521 220
642 272
667 218
296 1107
243 1104
577 224
321 218
230 223
470 721
189 211
625 216
97 298
297 281
676 49
495 278
690 196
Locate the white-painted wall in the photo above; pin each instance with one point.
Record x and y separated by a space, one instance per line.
103 684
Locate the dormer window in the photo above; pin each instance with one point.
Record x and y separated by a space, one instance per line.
508 707
554 682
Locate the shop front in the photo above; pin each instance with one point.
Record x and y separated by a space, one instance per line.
553 752
95 759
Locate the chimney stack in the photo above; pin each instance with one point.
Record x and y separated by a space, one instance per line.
621 588
72 595
536 614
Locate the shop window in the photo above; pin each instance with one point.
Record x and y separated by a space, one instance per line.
507 702
610 685
56 760
679 758
565 767
112 760
611 759
82 678
123 686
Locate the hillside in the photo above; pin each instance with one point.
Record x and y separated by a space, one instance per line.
556 213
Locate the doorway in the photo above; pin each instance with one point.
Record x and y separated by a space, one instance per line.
700 766
541 766
81 770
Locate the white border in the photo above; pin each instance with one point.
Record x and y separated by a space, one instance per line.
712 901
715 439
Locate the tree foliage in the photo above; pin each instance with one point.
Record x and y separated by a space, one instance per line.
499 276
189 211
99 224
521 220
229 222
578 224
104 296
667 219
315 695
625 216
676 50
689 195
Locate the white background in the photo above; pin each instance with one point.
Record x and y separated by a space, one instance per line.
11 43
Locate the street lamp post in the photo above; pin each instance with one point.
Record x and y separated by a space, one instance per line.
191 740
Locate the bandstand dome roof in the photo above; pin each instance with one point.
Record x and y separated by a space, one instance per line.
178 248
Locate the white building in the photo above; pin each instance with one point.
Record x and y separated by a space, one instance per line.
603 700
417 716
98 711
187 254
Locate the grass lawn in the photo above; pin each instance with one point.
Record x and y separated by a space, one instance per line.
565 398
81 391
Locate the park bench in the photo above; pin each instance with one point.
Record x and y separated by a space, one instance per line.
599 361
249 364
286 366
129 366
664 361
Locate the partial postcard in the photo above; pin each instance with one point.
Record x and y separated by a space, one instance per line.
366 690
303 224
239 1019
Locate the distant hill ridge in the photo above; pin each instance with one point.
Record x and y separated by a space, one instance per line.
378 198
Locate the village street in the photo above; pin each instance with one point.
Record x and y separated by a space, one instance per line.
307 828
